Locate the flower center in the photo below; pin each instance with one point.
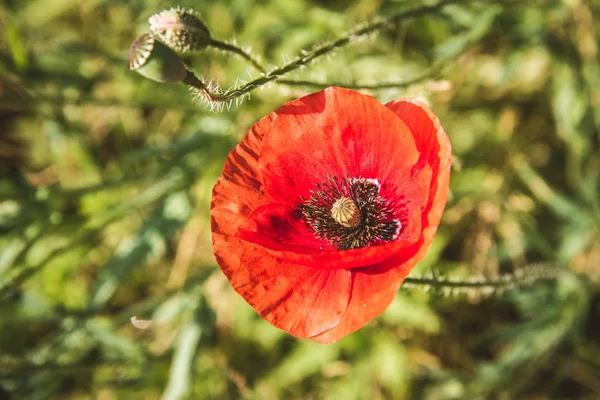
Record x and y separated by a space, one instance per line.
350 213
345 212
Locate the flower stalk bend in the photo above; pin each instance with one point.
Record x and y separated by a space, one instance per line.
329 47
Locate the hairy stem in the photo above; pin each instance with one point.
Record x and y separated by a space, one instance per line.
193 81
376 86
312 55
458 45
239 51
523 277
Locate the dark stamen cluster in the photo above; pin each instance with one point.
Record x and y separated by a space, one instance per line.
377 224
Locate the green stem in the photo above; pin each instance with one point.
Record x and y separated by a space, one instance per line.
193 81
376 86
523 277
312 55
239 51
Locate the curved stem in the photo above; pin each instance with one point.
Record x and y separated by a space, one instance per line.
471 36
309 56
366 86
376 86
193 81
239 51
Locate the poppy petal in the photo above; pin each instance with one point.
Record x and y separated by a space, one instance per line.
433 142
278 226
372 292
303 301
336 132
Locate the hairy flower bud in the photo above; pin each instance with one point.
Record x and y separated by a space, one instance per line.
153 60
180 29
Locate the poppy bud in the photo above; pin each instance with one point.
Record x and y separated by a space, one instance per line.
179 29
154 60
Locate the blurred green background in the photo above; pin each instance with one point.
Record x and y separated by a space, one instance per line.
105 184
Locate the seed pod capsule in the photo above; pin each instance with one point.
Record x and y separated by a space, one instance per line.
345 212
153 60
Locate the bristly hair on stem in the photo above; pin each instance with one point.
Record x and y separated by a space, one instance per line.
232 48
315 53
523 277
459 45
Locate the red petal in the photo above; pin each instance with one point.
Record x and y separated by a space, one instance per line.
279 227
335 132
239 190
432 141
372 293
301 300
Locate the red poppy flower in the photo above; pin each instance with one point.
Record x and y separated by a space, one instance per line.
326 205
